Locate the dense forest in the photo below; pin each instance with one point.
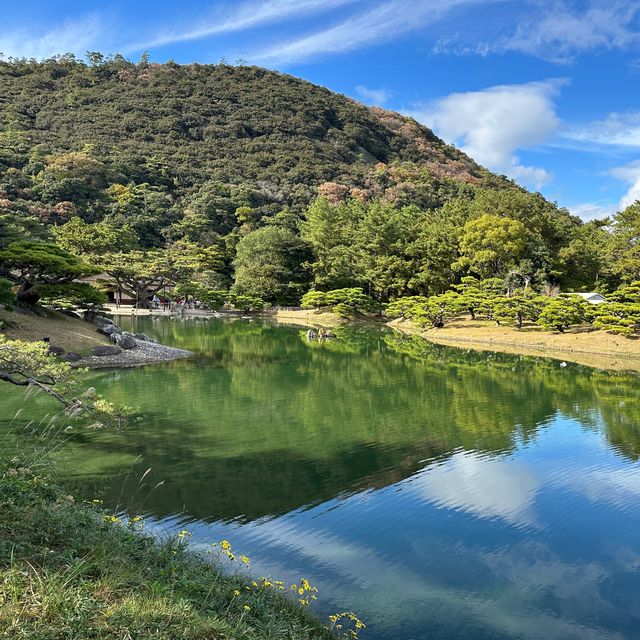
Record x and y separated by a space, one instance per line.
221 178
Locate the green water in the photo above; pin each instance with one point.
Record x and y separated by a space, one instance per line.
438 493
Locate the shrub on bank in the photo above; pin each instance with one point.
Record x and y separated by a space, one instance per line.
67 570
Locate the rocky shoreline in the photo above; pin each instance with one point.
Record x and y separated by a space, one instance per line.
128 349
144 353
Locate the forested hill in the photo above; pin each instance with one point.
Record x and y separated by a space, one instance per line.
270 185
227 123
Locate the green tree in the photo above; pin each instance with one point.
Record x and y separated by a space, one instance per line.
477 296
141 274
626 293
584 261
269 265
314 300
563 311
34 264
625 249
490 245
432 311
619 317
381 244
29 364
81 238
330 232
520 306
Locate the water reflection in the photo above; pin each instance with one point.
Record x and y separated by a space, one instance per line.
441 493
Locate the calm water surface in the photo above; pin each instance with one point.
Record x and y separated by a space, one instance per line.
439 493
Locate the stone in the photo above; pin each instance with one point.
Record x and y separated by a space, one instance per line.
106 350
144 337
125 341
56 351
101 321
71 313
71 356
109 329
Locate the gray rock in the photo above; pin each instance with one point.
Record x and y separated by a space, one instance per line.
125 342
70 356
71 314
56 351
144 337
128 333
105 350
109 329
101 321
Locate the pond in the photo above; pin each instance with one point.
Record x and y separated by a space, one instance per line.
438 493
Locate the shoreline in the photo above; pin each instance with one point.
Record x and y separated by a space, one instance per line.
577 347
144 354
117 579
597 349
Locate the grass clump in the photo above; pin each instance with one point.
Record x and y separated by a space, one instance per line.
68 570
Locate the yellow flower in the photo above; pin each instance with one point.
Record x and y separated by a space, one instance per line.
236 592
245 560
225 545
247 607
183 534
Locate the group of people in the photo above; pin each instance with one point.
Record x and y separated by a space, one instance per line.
175 304
320 334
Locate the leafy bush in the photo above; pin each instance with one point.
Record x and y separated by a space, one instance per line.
314 300
7 297
619 317
562 312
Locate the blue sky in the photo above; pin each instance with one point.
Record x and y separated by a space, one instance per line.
547 92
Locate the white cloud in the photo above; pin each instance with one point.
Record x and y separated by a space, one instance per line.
245 16
559 31
617 129
490 125
72 36
373 96
555 31
385 22
629 173
486 487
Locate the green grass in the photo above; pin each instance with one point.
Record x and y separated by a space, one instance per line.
67 571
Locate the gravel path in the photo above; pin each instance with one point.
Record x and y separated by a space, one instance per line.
144 353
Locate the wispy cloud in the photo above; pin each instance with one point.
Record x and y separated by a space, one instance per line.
72 36
492 124
384 22
555 31
617 129
246 15
373 96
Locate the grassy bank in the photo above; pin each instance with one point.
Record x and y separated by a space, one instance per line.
590 347
69 571
63 331
593 348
